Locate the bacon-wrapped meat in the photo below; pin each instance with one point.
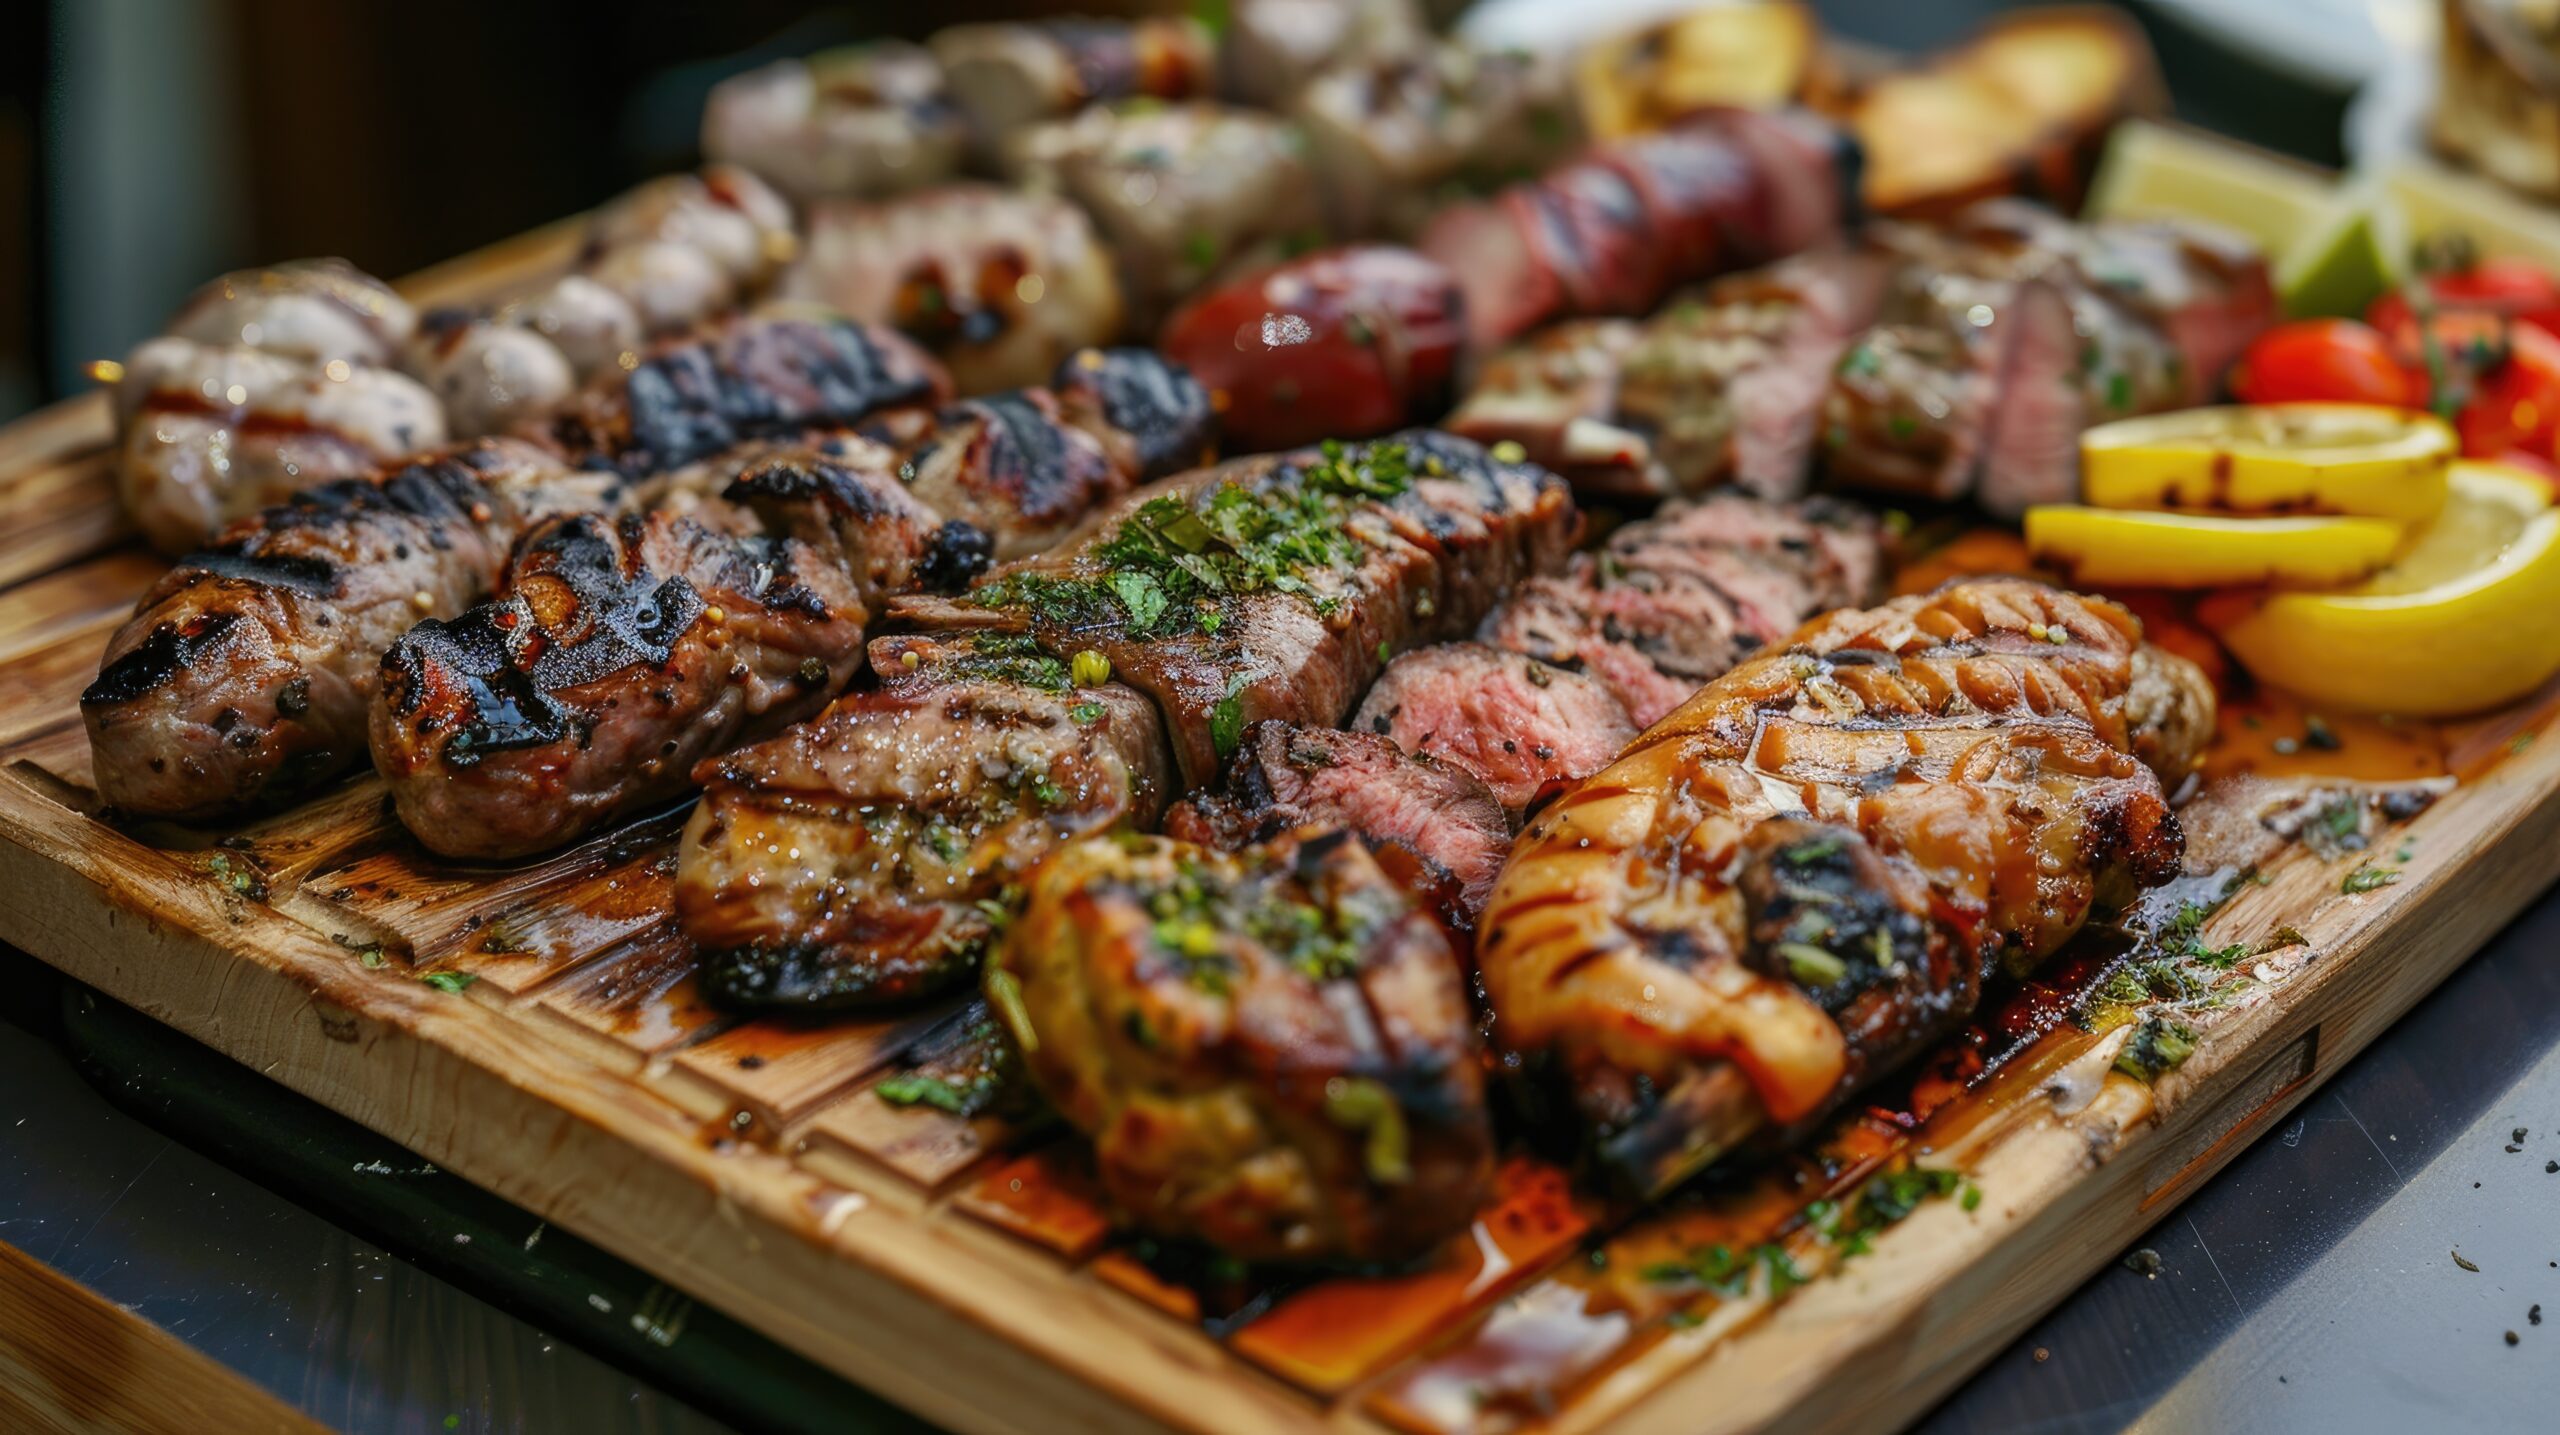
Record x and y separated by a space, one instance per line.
1344 342
244 675
1801 877
998 285
1011 75
856 122
1272 1050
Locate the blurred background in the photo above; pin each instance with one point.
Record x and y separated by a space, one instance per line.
146 145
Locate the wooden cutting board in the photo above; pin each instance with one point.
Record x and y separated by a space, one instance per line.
962 1267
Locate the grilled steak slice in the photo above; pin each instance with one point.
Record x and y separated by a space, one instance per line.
1433 826
244 674
1673 601
1555 394
622 652
1029 465
866 855
1272 1050
1801 877
1514 722
752 377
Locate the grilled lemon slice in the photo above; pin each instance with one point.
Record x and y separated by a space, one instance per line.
2460 623
2354 459
2114 548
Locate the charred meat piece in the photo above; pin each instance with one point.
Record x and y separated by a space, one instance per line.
1029 465
1615 230
856 122
245 673
622 652
1516 723
752 377
1674 600
1010 75
868 855
1180 193
1432 826
314 310
1802 877
1272 1050
998 285
1396 133
215 433
1345 342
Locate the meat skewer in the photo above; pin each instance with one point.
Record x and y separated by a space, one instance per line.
243 676
1801 877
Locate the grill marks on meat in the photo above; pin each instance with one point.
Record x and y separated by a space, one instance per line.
622 652
244 675
1272 1050
1517 724
1899 799
1331 563
1433 826
867 855
1673 601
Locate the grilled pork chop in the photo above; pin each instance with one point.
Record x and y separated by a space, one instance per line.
1803 875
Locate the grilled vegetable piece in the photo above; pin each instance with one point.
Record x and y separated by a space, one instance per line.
1801 877
244 675
622 652
751 377
1026 467
1673 601
1615 230
999 285
855 122
215 433
907 815
1179 192
1432 826
1011 75
1344 342
1272 1050
1394 136
1270 50
1514 722
314 310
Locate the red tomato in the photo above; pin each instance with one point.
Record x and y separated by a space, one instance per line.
2516 404
2324 361
2509 288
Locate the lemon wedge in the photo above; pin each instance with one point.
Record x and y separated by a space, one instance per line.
2355 459
2113 548
2462 622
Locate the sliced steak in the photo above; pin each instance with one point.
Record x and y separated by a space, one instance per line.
1515 722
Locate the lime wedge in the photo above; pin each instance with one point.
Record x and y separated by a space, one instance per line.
2343 262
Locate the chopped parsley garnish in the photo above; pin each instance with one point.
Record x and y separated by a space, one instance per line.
2368 878
961 1097
1085 714
450 981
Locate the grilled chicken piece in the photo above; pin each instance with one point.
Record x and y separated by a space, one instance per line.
1270 50
592 326
1517 724
856 122
490 377
309 309
865 856
1275 587
244 675
1181 193
1028 466
1677 599
752 377
998 285
1272 1050
215 433
1010 75
1394 134
1803 875
1432 826
724 213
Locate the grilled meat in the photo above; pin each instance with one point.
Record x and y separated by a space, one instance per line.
1272 1050
244 675
314 310
1394 134
998 285
1344 342
856 122
724 213
1271 49
214 433
1008 76
1614 231
866 855
1028 466
1180 192
1803 875
1514 722
1673 601
1432 826
490 377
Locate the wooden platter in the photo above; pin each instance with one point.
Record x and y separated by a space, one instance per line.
961 1267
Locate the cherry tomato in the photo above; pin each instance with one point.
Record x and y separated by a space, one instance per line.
2515 404
2507 288
2324 360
